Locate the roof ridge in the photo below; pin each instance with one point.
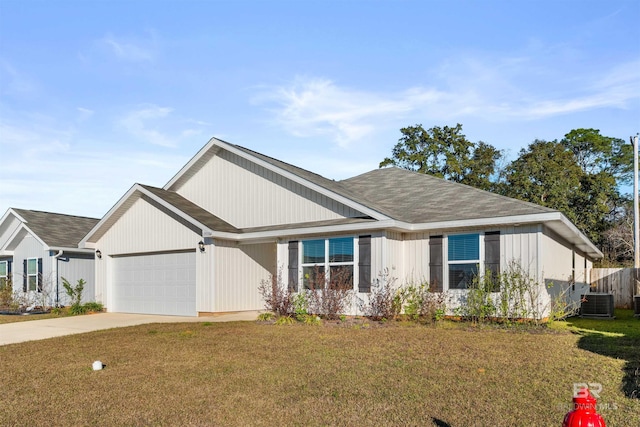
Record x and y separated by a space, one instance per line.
52 213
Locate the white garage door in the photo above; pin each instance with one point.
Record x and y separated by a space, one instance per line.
155 284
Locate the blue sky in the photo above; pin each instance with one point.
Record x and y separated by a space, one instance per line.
98 95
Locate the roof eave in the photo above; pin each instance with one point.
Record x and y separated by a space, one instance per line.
89 242
556 220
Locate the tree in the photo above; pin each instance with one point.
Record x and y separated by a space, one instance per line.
545 173
445 152
574 177
596 153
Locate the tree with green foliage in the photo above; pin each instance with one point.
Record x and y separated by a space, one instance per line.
578 176
445 152
544 173
595 153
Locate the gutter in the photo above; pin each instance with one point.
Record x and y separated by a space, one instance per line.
57 258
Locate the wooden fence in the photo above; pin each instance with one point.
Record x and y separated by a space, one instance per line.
623 283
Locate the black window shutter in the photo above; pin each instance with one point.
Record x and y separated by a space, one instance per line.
293 266
40 275
24 276
435 263
364 264
492 258
9 267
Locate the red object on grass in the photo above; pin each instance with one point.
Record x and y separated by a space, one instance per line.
584 412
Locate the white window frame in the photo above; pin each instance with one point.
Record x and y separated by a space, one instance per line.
479 262
30 275
326 264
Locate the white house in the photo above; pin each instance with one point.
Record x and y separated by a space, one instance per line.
38 249
231 217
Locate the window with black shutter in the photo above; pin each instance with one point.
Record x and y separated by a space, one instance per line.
293 266
364 264
435 263
492 258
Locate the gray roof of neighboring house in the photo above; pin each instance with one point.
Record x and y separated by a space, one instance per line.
418 198
57 230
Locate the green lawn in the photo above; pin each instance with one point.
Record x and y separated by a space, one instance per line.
264 375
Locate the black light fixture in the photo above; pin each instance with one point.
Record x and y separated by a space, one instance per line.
201 246
99 254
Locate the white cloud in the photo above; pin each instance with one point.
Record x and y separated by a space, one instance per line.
84 114
493 90
138 50
158 125
15 82
138 123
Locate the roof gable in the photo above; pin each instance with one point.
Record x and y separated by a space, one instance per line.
53 229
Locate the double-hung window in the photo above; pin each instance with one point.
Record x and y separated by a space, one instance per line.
327 260
463 259
32 274
4 273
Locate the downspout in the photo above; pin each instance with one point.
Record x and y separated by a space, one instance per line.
57 258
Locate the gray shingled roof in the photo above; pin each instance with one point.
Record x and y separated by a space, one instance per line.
191 209
414 197
418 198
57 230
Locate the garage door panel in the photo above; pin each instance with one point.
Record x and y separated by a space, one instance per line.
155 284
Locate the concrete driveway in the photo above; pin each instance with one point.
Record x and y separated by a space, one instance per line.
11 333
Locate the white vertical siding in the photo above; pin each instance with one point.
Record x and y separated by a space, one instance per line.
73 268
521 245
9 227
557 259
237 274
30 247
205 265
416 258
142 229
247 195
558 268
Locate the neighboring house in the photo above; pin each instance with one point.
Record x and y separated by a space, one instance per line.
38 248
231 217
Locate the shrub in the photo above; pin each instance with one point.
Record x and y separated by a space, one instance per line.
277 297
300 306
561 306
266 316
330 296
479 305
383 301
6 294
75 295
93 306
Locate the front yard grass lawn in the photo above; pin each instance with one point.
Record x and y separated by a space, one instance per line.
251 374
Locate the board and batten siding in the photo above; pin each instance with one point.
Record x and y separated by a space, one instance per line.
11 224
237 273
142 229
248 195
416 258
559 260
30 247
74 267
